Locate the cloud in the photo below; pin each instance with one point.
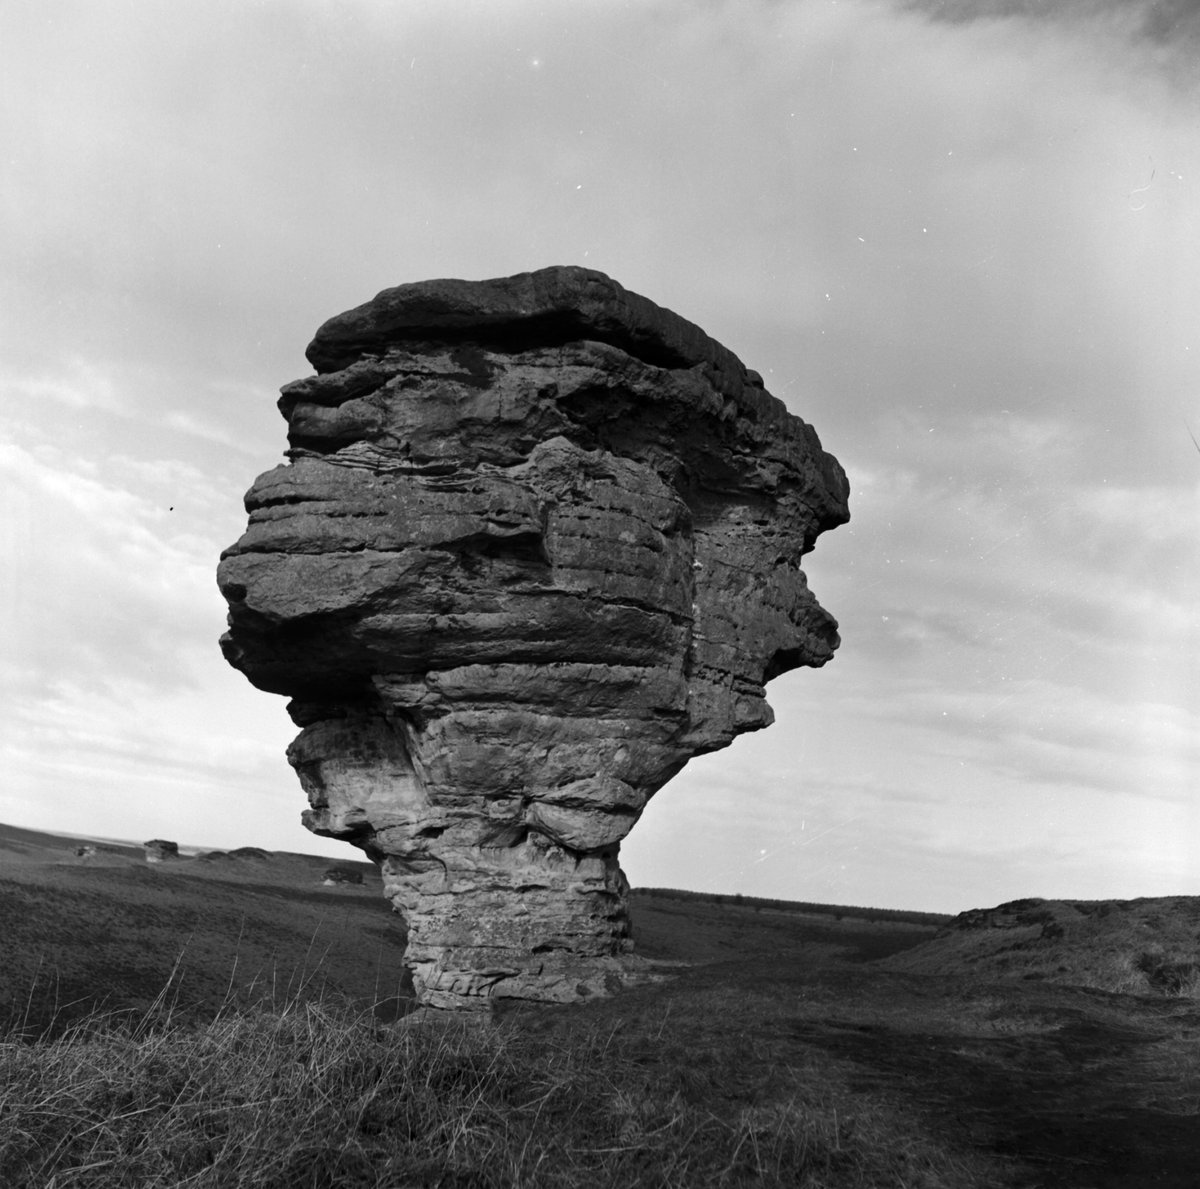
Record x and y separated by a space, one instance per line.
123 718
1017 648
964 241
1165 21
110 555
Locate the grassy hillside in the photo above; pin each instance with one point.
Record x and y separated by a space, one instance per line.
838 911
110 930
1135 947
687 927
788 1048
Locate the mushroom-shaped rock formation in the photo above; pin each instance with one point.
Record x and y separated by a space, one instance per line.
537 544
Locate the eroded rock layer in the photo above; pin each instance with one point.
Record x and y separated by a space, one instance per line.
536 545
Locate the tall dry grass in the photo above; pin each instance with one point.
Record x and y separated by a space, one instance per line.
314 1094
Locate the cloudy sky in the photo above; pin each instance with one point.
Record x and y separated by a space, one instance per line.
963 241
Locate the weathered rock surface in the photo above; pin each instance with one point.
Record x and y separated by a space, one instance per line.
537 544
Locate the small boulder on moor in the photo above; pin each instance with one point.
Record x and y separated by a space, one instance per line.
159 850
339 875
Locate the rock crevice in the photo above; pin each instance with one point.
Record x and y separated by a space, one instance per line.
537 544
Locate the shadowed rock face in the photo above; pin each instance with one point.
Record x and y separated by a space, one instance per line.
537 544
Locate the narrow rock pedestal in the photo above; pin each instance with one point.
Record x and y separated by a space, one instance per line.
537 544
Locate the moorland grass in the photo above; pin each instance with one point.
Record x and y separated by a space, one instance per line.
82 936
1145 947
319 1094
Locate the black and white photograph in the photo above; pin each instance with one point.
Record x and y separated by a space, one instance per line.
600 593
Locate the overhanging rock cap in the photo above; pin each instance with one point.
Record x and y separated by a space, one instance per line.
560 303
537 544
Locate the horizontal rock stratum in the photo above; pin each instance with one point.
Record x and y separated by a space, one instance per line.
536 545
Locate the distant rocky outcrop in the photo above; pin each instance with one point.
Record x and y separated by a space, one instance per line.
241 852
159 850
537 544
96 850
249 852
339 875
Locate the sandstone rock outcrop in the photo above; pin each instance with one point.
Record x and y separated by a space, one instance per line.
339 875
159 850
537 544
94 850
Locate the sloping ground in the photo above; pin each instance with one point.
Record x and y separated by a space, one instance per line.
687 928
34 846
1135 947
964 1032
110 931
1077 1087
785 1049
